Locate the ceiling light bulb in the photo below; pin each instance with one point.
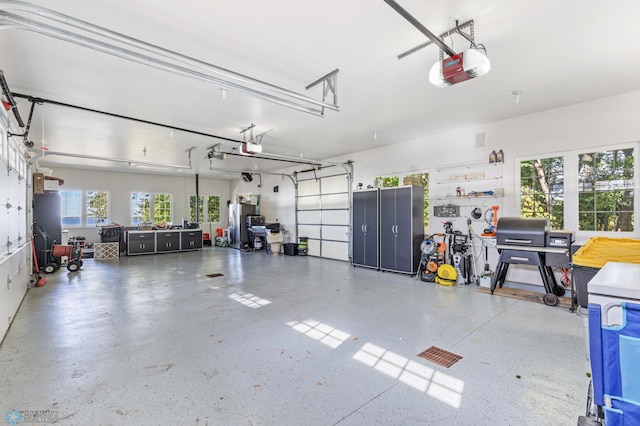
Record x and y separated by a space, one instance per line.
223 93
375 135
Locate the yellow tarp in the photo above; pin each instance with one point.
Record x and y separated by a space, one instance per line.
600 250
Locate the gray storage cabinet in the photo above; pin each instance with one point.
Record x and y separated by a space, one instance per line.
167 241
365 247
191 239
141 242
401 228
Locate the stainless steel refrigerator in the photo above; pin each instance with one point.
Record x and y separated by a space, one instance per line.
238 223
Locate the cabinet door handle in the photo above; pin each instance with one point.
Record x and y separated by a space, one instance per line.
362 227
366 228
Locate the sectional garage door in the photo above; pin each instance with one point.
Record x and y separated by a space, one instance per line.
323 212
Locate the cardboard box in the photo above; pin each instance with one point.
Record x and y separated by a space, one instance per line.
409 180
51 185
38 183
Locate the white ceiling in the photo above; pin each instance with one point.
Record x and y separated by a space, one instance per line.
555 52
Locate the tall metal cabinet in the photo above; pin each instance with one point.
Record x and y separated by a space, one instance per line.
47 213
365 228
401 228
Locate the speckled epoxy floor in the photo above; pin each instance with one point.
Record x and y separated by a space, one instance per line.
280 340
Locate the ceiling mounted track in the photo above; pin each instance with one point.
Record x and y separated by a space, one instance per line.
72 30
456 30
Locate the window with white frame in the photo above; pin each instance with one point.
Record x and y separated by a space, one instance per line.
213 208
161 208
71 206
140 207
192 208
542 189
97 207
606 190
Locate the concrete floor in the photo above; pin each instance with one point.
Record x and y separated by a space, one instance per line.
281 340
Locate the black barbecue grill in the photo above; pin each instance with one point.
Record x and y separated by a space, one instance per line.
528 241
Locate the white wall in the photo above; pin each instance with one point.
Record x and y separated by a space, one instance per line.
597 124
121 185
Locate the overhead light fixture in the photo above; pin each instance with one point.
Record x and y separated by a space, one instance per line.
375 135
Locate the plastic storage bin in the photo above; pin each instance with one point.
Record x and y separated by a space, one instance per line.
291 249
594 254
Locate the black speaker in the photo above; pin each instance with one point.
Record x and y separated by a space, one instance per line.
247 177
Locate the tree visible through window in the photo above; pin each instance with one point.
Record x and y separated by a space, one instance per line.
192 208
140 208
394 181
97 207
161 208
605 190
542 189
213 208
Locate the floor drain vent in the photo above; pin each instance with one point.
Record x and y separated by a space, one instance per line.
440 356
215 275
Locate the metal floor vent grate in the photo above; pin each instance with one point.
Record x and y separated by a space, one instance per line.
440 356
215 275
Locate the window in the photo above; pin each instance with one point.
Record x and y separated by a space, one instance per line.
71 203
140 208
213 208
162 208
192 208
97 207
542 189
605 190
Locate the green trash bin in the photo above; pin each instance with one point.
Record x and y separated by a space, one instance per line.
302 246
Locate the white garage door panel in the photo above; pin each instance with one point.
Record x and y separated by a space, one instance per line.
335 250
335 184
308 187
327 226
313 248
309 217
335 217
306 203
309 231
340 233
335 201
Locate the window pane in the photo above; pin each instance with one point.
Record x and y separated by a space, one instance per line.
213 208
605 180
97 207
71 202
542 189
192 208
140 208
161 208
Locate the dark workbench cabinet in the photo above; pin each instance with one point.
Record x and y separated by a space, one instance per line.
163 241
141 242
